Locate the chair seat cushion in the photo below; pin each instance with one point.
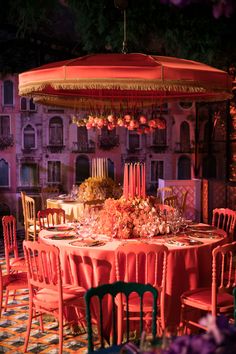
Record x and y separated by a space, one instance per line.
202 298
18 263
49 299
15 281
134 303
31 228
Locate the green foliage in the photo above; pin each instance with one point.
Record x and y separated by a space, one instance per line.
189 32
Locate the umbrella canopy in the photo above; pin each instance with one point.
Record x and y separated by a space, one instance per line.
123 81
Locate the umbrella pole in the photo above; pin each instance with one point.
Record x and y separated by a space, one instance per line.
196 148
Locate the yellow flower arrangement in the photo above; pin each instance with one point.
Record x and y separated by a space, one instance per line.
98 188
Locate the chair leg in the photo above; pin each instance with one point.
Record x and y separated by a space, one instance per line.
6 300
28 327
1 298
41 323
60 319
182 325
119 324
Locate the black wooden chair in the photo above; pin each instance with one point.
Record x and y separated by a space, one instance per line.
119 292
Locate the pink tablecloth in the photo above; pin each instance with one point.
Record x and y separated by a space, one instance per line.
188 267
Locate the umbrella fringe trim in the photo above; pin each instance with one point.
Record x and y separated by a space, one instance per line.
143 85
87 104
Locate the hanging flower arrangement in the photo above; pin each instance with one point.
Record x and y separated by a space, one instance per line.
138 122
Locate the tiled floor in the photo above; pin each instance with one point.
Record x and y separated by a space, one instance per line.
13 327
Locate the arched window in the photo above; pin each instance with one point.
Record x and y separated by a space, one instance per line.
82 139
32 105
111 169
29 174
4 173
82 168
56 131
184 168
5 125
184 136
134 140
29 137
209 167
23 104
8 92
206 133
54 171
159 136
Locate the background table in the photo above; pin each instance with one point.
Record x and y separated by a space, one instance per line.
74 210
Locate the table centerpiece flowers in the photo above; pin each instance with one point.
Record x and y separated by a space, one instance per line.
130 218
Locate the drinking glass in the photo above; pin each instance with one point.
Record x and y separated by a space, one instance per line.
174 226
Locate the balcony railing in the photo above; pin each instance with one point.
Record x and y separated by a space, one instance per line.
107 142
184 148
158 147
6 141
87 147
55 148
133 150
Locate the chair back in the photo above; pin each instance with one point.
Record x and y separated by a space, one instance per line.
43 267
223 271
149 266
93 206
10 240
50 217
47 192
115 290
182 206
234 293
224 219
171 201
30 218
164 192
23 194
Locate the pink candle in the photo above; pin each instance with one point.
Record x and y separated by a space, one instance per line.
135 179
131 181
138 180
143 181
126 181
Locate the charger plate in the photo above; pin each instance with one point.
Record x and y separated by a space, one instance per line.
59 228
87 243
62 237
202 228
183 241
212 235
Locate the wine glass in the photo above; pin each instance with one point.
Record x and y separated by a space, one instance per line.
174 226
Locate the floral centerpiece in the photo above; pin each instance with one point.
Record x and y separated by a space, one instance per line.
130 218
219 338
98 188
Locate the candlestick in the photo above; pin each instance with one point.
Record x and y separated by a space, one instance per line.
125 182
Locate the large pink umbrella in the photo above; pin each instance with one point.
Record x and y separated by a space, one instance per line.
121 81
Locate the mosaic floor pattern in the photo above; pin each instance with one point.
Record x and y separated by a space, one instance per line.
13 324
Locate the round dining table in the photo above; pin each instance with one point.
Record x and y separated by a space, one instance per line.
73 209
89 260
